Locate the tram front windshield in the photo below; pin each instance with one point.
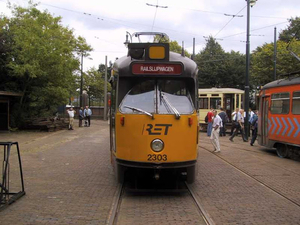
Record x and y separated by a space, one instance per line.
158 96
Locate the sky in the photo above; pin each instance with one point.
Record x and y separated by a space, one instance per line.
104 23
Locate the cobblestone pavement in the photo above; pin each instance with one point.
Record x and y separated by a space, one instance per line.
68 177
154 209
69 180
265 191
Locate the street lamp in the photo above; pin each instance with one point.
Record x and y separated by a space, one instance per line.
249 3
81 80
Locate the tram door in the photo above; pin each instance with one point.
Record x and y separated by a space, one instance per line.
112 112
228 104
264 119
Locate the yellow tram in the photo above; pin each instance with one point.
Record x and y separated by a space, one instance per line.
227 98
154 122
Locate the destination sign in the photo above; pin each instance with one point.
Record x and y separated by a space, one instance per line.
156 68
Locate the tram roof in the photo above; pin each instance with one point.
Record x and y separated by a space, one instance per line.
220 90
282 82
190 68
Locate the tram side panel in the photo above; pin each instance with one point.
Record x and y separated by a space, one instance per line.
279 130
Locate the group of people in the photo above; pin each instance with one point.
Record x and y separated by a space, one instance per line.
238 119
224 120
216 125
84 114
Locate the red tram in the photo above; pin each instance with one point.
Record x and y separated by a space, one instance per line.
279 116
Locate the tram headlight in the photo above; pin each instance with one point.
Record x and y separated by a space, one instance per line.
157 145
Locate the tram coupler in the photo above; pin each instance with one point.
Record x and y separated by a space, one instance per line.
183 175
156 174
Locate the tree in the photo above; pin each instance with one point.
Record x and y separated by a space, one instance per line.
210 65
235 72
218 68
174 46
292 31
94 83
41 63
4 49
262 69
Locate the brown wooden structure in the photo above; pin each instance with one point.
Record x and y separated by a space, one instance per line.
5 99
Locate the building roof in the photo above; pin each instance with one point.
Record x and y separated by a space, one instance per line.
220 90
9 93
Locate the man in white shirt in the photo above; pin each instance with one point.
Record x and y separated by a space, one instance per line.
71 113
216 125
234 120
239 126
87 114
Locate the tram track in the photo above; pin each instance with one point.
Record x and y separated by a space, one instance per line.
113 215
254 178
257 152
202 212
185 194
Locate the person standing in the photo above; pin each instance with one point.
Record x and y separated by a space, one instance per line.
210 115
243 131
239 126
254 125
81 116
234 120
87 114
216 125
71 113
224 118
250 119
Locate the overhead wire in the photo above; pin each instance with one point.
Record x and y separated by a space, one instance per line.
229 21
125 23
154 16
255 29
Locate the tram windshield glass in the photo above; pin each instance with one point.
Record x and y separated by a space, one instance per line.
158 96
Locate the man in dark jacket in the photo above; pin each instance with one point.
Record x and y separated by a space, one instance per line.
254 125
224 118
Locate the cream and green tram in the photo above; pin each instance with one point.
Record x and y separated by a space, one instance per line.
227 98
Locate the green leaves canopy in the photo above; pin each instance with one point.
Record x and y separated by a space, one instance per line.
262 69
220 69
41 61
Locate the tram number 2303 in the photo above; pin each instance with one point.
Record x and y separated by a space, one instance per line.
159 157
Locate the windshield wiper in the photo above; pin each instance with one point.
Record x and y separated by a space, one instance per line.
165 99
139 110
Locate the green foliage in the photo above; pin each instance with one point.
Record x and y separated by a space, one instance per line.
40 62
94 82
292 31
262 60
174 46
220 69
4 49
235 73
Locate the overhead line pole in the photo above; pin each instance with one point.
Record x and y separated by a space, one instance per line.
193 49
105 91
81 80
275 52
247 72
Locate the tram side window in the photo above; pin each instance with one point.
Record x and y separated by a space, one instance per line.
296 103
215 103
203 103
280 103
